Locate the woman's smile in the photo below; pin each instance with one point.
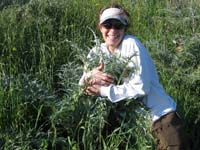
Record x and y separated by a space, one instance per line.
113 37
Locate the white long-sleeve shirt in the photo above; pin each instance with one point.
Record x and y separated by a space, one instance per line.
143 82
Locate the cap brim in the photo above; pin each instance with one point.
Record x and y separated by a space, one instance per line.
121 19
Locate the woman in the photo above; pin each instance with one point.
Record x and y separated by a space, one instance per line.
142 82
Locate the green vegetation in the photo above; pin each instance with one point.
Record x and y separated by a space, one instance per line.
43 44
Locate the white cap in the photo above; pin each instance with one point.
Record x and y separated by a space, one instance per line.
114 13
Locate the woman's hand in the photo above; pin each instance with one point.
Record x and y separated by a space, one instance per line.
99 77
93 90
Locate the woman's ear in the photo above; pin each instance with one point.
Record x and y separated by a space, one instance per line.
99 27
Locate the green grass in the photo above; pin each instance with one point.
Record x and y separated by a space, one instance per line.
43 44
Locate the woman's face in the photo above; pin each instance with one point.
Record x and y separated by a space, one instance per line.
112 31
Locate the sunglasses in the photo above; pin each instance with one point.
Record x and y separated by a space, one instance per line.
114 25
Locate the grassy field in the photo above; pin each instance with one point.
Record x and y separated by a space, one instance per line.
43 45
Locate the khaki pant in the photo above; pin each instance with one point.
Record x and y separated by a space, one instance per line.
169 132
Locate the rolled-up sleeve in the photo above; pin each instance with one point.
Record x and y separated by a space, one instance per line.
133 89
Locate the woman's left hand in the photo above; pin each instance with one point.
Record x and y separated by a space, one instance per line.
93 90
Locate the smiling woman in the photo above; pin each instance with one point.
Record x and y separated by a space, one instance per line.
112 31
141 82
112 24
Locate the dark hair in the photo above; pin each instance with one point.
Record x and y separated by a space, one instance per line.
113 5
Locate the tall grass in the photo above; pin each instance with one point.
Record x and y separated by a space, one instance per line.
43 44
